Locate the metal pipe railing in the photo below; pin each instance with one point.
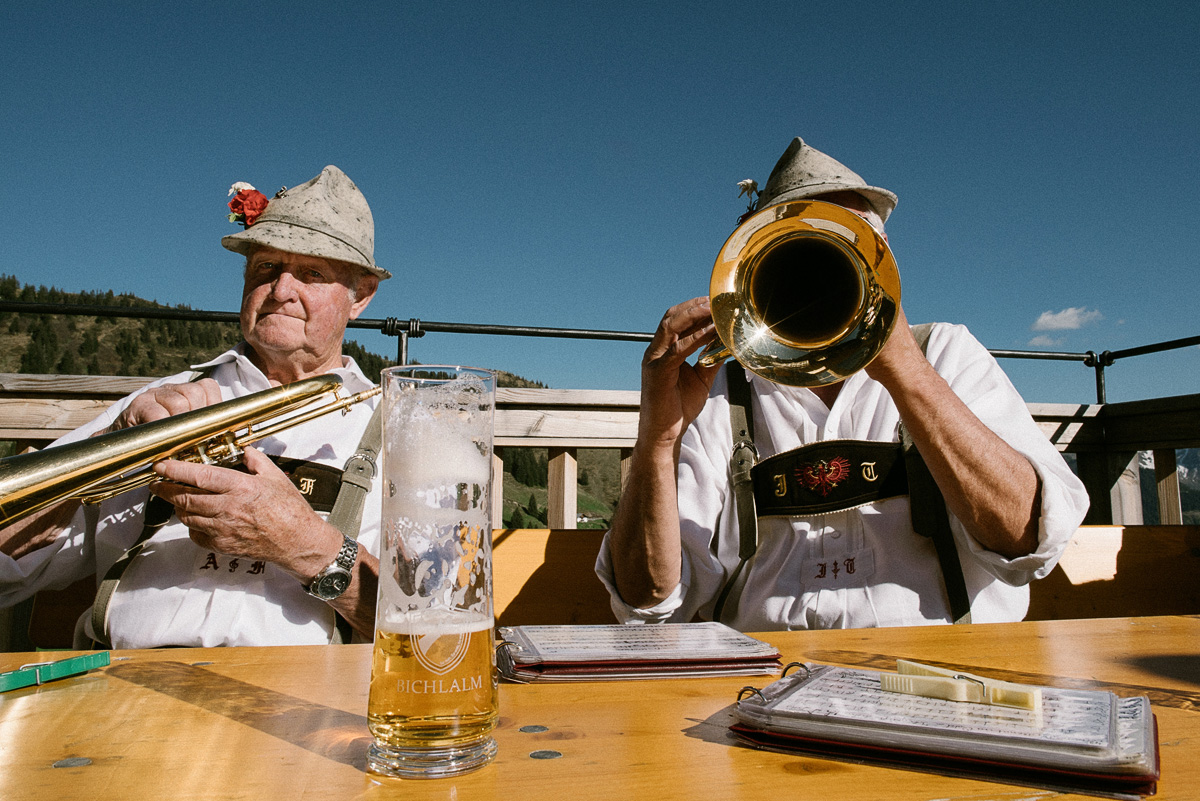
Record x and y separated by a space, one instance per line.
404 330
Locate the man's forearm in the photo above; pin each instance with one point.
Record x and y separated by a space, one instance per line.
987 484
644 543
38 530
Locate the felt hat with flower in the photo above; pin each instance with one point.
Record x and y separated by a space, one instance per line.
327 217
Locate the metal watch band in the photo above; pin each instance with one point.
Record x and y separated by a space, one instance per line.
340 566
347 554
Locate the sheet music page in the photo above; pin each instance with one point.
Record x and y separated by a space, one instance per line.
1068 718
665 641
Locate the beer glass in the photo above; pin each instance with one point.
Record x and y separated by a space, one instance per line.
434 693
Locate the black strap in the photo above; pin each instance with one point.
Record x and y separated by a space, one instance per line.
930 519
741 464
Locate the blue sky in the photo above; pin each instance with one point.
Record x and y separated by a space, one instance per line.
575 164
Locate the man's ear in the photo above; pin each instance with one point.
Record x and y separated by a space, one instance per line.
367 286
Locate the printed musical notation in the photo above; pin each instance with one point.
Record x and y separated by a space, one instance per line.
1069 717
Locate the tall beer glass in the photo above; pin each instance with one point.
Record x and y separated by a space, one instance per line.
434 694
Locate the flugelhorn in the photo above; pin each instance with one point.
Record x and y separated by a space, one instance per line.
109 464
803 293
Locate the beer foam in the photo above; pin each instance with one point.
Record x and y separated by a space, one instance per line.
432 621
423 450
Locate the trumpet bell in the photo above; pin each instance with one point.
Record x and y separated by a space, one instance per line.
803 294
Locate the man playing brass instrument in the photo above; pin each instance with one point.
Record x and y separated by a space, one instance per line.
238 557
677 550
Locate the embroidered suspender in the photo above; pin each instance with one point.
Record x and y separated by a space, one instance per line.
879 470
345 514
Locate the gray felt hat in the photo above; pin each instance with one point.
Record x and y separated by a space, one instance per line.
327 217
803 171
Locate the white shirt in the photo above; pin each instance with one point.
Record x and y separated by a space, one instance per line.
175 592
863 567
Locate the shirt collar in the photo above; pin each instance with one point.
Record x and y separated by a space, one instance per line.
353 378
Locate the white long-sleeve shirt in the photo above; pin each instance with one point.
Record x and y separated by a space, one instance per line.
862 567
175 592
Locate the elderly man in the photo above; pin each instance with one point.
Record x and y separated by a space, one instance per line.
220 556
673 552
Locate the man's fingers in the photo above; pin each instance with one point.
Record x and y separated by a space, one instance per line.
685 316
169 400
683 329
201 476
259 464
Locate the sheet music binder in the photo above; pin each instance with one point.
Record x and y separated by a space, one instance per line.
662 650
1081 741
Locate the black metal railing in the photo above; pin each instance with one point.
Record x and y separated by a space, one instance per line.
411 328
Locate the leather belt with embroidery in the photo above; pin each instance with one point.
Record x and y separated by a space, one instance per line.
318 483
828 477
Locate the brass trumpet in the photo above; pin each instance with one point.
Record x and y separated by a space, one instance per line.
803 293
94 469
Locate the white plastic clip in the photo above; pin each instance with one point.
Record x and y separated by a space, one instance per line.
928 681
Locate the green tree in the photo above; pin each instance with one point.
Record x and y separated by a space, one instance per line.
68 364
518 519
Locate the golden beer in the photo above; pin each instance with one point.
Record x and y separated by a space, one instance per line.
434 697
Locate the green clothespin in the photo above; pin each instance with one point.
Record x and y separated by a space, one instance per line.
41 672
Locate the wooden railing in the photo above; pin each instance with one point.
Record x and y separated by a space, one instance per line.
1105 438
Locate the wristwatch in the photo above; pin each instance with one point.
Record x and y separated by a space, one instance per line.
335 579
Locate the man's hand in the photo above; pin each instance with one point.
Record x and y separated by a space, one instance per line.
674 391
258 514
644 541
167 401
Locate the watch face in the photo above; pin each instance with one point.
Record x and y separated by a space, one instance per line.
331 585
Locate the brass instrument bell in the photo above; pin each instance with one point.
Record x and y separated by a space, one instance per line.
803 293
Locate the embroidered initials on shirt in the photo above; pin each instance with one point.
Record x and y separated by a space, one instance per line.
254 569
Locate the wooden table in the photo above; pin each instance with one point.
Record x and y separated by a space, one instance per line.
275 723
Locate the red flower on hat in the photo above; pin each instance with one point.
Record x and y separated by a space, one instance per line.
247 204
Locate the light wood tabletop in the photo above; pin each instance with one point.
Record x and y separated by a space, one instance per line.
275 723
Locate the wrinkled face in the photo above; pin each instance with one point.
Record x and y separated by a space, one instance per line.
295 308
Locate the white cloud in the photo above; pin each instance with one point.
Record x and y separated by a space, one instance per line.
1066 320
1043 341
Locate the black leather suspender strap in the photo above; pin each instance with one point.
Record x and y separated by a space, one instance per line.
741 463
930 519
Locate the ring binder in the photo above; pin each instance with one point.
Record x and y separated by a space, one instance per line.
752 691
589 653
1084 741
791 665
